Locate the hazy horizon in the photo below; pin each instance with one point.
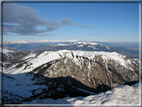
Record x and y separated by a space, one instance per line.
73 40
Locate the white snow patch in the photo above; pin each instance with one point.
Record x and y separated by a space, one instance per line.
31 55
80 46
107 47
61 45
86 43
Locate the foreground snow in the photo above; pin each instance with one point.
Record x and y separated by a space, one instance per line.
21 85
126 95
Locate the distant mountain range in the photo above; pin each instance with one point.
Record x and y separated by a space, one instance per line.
24 45
55 45
41 41
84 46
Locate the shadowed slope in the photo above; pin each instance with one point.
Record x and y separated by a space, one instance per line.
55 88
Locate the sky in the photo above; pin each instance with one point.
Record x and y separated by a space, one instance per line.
71 21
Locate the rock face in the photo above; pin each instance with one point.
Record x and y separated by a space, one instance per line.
92 72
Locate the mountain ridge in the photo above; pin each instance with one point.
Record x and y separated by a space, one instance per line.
54 45
98 70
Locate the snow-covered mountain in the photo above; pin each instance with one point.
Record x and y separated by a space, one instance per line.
12 55
90 68
85 46
5 50
54 45
27 45
65 73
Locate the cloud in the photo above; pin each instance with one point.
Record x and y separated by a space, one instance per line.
91 34
67 21
25 20
85 26
52 25
47 34
23 15
21 30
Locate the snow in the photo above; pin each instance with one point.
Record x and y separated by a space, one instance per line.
86 43
80 46
30 56
48 56
12 42
90 44
6 50
106 55
123 95
21 84
61 45
107 47
21 41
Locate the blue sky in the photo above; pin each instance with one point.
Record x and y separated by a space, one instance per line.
71 21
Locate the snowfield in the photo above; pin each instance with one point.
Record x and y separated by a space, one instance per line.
123 95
